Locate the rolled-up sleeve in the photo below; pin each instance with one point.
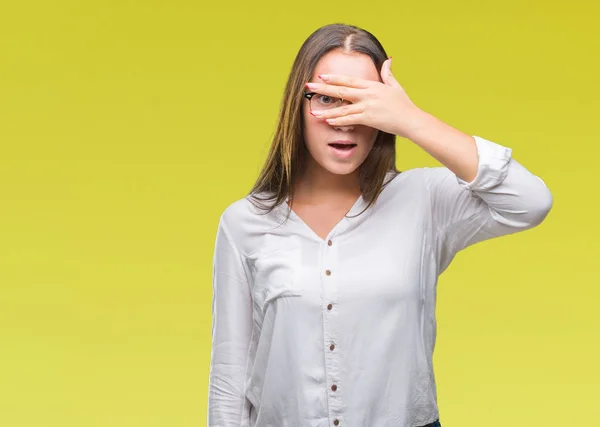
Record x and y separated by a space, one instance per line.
503 198
231 335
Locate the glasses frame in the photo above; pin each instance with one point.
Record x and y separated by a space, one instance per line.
309 95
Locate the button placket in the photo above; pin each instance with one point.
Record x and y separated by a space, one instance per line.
330 326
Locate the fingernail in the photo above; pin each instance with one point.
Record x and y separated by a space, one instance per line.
316 113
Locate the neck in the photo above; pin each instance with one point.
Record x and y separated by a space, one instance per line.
318 186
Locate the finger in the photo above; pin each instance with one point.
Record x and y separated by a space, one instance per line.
348 93
352 119
344 110
341 80
386 73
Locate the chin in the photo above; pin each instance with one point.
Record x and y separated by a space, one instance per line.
341 169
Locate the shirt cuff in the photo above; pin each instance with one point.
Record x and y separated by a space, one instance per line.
493 165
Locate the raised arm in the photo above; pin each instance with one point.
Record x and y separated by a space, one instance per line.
231 335
503 198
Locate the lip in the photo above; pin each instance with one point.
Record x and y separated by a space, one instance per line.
343 154
342 141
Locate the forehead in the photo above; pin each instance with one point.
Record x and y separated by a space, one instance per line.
352 64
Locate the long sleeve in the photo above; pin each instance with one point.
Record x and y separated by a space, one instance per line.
231 335
503 198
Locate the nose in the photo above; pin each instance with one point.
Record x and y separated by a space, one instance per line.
344 128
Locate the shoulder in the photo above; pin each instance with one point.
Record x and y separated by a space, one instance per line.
230 221
421 179
419 188
244 221
235 211
436 181
238 215
247 208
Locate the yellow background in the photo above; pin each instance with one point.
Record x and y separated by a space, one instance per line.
127 127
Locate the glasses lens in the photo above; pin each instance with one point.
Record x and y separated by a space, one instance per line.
324 102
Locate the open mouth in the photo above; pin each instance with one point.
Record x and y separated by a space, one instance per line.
347 147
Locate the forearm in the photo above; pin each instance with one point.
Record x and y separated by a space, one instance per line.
454 149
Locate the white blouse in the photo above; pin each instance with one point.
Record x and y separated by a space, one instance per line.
309 332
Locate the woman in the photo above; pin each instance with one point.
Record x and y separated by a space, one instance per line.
324 306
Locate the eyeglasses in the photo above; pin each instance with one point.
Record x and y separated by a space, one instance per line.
319 101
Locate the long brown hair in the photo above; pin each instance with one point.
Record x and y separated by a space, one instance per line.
286 159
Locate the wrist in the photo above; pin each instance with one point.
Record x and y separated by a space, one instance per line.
419 123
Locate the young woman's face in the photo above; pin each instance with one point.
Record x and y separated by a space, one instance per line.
318 134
